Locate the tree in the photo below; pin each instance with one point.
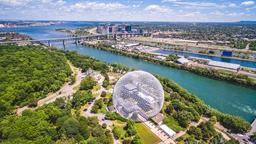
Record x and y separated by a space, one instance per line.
87 84
213 120
208 130
103 94
29 73
136 140
169 109
130 128
104 125
184 118
71 127
118 132
80 98
253 138
196 132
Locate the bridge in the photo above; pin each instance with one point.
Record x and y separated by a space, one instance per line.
76 39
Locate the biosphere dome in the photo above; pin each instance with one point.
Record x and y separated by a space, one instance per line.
138 95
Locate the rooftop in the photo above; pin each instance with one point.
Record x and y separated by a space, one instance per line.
224 65
167 130
158 118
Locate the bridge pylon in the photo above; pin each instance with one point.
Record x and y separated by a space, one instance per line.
64 45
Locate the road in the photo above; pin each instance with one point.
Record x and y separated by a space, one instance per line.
65 91
243 139
100 116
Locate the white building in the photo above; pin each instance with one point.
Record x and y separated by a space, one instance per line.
182 60
224 65
167 130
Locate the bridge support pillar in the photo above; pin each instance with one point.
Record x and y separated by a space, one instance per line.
64 45
49 44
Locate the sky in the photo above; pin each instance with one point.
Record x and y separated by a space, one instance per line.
130 10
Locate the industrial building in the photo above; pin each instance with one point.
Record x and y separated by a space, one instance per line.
224 65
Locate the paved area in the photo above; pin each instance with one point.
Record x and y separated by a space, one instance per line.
66 91
159 132
253 130
242 138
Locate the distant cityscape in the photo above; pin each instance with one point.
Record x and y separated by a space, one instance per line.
116 28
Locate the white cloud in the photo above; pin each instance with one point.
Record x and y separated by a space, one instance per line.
157 9
232 5
247 3
97 6
14 2
194 4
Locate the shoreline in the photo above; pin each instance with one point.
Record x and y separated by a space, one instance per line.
205 72
181 46
211 55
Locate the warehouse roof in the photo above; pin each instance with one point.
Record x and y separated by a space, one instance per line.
182 60
224 65
167 130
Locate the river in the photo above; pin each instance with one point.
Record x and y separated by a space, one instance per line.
225 97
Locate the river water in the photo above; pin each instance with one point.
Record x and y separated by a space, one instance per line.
225 97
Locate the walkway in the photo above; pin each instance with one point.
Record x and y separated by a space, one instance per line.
159 132
65 91
100 116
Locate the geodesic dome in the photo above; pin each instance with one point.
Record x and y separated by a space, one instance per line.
138 95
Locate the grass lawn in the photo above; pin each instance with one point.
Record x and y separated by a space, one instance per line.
109 95
173 124
96 88
146 135
119 123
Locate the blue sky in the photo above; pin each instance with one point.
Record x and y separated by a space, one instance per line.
130 10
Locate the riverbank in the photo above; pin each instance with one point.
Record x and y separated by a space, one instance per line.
196 106
211 73
237 55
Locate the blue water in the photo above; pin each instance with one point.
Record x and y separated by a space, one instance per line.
226 97
244 63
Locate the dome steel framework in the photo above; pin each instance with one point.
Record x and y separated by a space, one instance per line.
138 95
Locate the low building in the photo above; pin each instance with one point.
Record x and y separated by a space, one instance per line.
224 65
167 130
132 44
182 60
160 57
111 108
158 119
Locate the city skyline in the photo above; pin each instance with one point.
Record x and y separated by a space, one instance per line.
131 10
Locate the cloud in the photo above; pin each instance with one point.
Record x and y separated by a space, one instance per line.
247 3
157 9
14 2
194 4
97 6
232 5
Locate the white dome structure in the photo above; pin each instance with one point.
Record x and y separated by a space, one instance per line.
138 95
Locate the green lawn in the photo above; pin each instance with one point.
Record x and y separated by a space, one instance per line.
146 135
173 124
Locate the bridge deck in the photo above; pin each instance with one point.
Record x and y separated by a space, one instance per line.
73 38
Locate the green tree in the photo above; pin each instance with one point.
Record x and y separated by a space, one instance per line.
196 132
80 98
87 84
184 118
